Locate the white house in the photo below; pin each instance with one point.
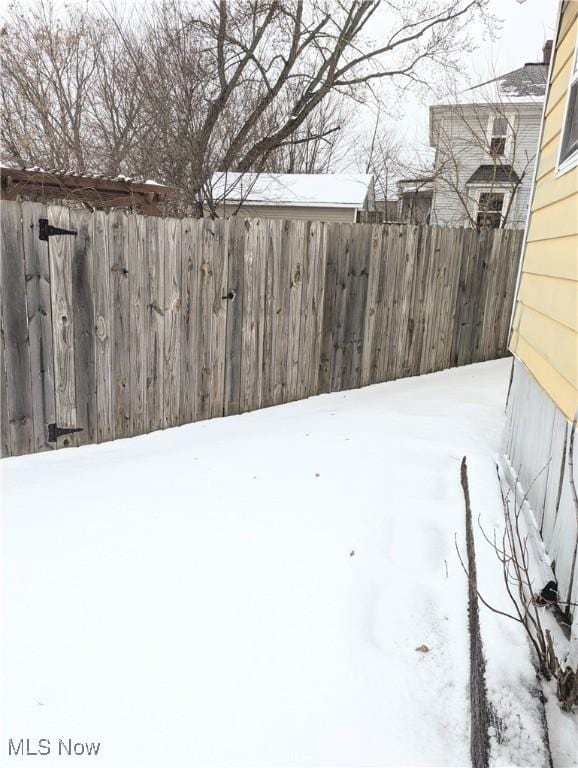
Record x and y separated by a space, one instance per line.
309 197
485 148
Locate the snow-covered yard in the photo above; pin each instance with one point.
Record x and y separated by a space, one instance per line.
251 591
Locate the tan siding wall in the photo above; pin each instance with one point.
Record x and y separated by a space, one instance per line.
304 213
545 328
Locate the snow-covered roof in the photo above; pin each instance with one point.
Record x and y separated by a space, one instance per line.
525 84
320 190
7 166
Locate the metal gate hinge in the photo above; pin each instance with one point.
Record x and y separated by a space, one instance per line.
46 230
54 432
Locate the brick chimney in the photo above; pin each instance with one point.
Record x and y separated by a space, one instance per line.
547 51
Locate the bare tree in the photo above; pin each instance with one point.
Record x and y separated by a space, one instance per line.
244 85
379 152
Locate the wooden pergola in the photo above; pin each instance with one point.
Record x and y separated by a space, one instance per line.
86 190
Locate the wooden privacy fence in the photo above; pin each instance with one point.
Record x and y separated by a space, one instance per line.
136 324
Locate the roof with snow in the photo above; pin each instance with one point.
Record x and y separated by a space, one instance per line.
527 83
91 190
338 190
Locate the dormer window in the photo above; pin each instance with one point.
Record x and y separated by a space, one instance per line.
498 136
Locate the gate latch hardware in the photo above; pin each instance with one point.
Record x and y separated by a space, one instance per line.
54 432
46 230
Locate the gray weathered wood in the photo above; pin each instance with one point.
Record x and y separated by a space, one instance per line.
154 324
296 285
190 298
172 323
5 447
127 327
282 294
137 318
103 328
119 271
15 333
219 307
61 249
83 311
235 266
39 312
204 319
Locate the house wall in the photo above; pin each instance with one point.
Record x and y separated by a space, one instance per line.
544 339
536 455
459 133
300 213
545 327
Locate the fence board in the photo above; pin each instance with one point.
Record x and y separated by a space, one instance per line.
61 251
374 263
172 322
282 297
391 365
83 294
341 280
119 271
15 328
234 330
407 263
381 309
319 264
103 329
154 324
137 315
219 307
356 298
269 321
513 254
190 298
5 447
127 327
39 312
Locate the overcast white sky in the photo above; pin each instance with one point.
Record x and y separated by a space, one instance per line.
525 28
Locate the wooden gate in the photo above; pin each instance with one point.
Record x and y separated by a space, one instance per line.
115 331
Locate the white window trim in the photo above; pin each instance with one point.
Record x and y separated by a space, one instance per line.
510 117
479 189
572 160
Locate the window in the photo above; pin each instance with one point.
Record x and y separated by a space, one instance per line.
499 136
569 146
490 206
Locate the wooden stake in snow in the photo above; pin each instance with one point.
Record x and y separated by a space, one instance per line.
479 739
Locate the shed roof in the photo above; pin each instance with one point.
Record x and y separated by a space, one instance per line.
338 190
494 174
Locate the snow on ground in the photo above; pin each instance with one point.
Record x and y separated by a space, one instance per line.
251 591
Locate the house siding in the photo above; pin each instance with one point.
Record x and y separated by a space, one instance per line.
545 328
301 213
537 465
457 124
544 340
